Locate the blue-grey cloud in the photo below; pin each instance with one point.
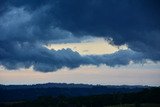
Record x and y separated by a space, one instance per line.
132 22
25 55
26 25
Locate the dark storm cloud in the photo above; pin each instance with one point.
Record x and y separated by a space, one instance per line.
24 55
26 25
132 22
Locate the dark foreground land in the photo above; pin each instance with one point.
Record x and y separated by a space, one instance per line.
110 96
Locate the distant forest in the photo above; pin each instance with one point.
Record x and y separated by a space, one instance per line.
76 96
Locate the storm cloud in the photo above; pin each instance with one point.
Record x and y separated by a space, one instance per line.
27 55
27 25
132 22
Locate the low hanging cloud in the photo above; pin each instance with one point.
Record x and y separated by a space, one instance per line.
42 59
25 26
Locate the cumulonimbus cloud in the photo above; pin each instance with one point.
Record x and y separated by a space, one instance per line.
25 26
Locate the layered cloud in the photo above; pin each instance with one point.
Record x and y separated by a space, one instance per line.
132 22
42 59
25 26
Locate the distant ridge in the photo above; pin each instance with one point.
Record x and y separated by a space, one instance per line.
47 85
67 85
30 92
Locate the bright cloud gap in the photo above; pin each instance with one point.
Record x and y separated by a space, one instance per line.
91 46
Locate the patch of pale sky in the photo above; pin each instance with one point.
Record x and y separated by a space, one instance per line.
96 46
133 74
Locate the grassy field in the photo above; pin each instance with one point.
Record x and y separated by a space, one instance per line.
133 105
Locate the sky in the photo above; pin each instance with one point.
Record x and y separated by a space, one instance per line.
108 42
